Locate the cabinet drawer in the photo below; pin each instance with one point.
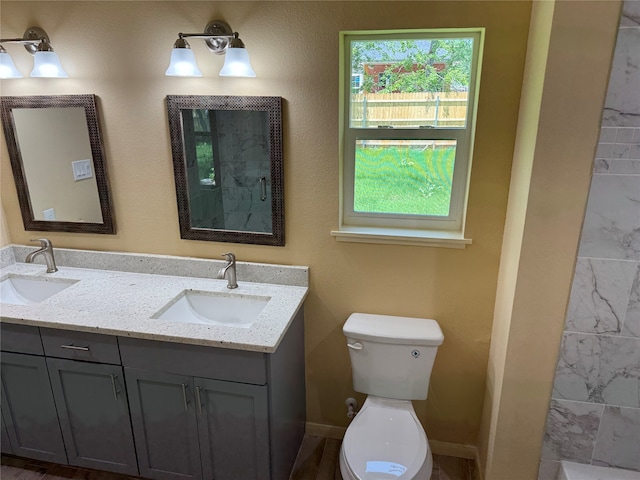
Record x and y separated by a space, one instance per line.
194 360
90 347
20 339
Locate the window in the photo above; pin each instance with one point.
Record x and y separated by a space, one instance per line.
385 80
202 167
407 134
356 82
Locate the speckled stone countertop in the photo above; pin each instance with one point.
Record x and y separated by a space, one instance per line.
114 302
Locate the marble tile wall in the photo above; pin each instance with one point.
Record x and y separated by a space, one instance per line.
594 414
243 139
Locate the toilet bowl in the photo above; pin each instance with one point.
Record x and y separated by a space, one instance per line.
385 441
391 359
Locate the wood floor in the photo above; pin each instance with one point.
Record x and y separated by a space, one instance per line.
317 460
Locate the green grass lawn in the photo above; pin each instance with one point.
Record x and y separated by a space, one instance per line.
405 180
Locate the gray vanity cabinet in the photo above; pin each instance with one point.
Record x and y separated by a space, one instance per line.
163 415
215 413
94 414
5 443
29 410
234 429
197 428
170 411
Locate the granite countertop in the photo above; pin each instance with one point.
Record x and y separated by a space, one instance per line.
123 303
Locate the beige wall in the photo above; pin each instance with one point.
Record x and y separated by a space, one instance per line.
119 51
5 239
49 140
570 51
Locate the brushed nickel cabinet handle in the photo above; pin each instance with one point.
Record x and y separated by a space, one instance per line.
184 397
73 347
198 401
115 388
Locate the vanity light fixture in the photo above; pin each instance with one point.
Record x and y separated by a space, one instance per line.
221 40
7 67
46 63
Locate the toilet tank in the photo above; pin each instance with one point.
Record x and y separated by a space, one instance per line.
392 357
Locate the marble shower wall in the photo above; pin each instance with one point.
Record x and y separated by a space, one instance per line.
594 416
243 140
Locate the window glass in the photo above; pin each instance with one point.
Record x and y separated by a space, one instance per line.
356 82
405 177
411 83
204 147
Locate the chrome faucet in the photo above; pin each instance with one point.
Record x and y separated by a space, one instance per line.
46 250
231 268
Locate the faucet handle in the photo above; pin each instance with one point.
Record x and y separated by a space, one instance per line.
229 257
44 242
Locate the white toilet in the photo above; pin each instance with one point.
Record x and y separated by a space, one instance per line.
391 358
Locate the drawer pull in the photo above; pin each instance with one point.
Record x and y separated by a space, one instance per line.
198 401
184 397
115 389
73 347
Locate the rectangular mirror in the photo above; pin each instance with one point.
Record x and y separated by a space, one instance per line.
57 159
227 159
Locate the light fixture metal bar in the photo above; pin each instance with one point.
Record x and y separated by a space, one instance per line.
15 40
203 35
32 38
217 35
216 43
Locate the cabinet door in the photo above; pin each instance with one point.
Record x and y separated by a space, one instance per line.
234 430
5 443
94 415
164 424
29 410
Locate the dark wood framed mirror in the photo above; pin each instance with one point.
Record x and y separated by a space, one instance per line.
228 167
58 163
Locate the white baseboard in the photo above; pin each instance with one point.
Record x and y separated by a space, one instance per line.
439 448
327 431
453 449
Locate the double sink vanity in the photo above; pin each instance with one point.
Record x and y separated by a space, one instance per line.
147 365
143 364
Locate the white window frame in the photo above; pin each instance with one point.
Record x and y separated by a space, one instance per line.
397 228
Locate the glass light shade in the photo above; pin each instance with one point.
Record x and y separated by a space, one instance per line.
47 65
7 67
183 64
237 64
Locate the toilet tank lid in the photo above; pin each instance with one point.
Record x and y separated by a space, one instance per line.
391 329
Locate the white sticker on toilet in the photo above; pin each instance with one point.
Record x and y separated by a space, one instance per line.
386 467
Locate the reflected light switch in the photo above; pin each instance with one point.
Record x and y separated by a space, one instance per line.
81 169
49 214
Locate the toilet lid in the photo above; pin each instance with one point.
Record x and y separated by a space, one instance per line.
385 443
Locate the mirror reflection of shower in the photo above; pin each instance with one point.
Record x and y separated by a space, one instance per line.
228 169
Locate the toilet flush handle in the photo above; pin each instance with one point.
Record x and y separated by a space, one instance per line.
355 346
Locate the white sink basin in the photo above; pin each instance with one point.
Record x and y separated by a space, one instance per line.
24 290
213 308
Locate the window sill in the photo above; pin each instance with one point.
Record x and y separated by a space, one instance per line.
396 236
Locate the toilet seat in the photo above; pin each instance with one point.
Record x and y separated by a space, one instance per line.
386 441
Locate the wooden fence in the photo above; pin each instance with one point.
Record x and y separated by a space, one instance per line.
437 109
